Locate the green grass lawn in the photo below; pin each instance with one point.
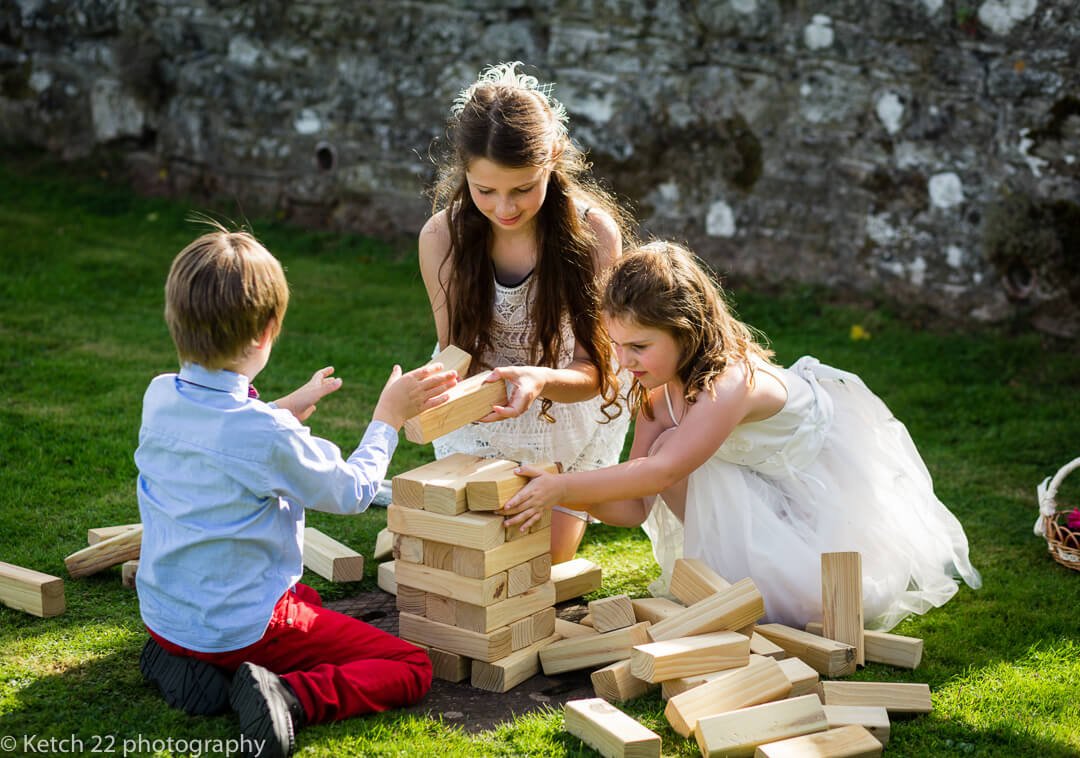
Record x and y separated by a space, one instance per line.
994 411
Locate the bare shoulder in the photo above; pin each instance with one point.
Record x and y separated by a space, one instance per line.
434 240
608 236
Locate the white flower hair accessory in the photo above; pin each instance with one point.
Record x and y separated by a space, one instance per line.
507 75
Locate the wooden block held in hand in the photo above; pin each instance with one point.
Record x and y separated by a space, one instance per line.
32 591
609 731
842 601
112 551
469 400
846 742
692 580
736 734
895 697
611 613
331 559
884 647
453 358
575 578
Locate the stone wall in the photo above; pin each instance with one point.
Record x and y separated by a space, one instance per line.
925 146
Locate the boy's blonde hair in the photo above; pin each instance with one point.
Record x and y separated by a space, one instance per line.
223 290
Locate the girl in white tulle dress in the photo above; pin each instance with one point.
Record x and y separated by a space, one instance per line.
754 468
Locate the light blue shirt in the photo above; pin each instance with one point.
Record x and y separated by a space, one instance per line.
223 483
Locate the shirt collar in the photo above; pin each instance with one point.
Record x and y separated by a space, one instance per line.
222 380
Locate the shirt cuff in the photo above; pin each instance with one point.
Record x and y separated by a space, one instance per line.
382 435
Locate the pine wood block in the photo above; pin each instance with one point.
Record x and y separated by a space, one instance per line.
873 718
387 577
480 592
616 684
410 599
885 647
692 580
827 657
128 570
481 647
731 608
438 555
448 666
407 489
479 564
575 578
384 545
568 630
453 358
592 650
654 609
736 734
469 400
842 601
528 574
608 730
97 534
895 697
331 559
611 613
762 646
804 679
846 742
481 531
504 612
759 682
672 687
408 549
686 656
514 533
489 491
448 494
521 633
109 552
586 620
32 591
543 623
506 673
439 608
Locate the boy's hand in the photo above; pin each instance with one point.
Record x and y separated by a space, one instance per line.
405 395
527 506
301 402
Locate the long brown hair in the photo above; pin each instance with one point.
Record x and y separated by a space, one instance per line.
662 285
507 118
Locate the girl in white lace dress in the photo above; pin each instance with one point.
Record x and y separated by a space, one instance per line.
759 469
510 261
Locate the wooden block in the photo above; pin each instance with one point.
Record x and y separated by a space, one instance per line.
884 647
575 578
616 684
692 580
609 731
736 734
509 672
841 600
827 657
521 633
331 559
448 493
482 647
479 564
762 646
439 608
543 623
586 620
804 679
438 555
756 683
611 613
872 718
480 618
592 650
568 630
489 491
448 666
469 400
731 608
387 577
528 574
846 742
481 531
514 533
408 549
410 599
895 697
384 545
655 609
32 591
686 656
109 552
128 570
453 358
407 489
97 534
480 592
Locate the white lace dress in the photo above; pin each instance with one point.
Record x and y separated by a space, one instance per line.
832 471
577 439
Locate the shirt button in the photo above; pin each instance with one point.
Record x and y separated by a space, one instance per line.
288 621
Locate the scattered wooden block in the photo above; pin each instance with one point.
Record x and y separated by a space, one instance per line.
109 552
592 650
411 599
575 578
686 656
480 618
438 555
895 697
128 570
478 564
489 491
387 578
407 489
654 609
32 591
845 742
453 358
331 559
762 646
568 630
543 623
885 647
482 647
439 608
529 574
482 592
384 545
469 400
616 684
873 718
842 601
505 674
408 549
609 731
481 531
731 608
586 620
827 657
759 682
692 580
611 613
736 734
804 679
97 534
449 493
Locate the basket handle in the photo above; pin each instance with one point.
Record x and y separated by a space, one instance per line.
1047 491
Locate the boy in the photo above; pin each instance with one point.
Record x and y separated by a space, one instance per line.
224 479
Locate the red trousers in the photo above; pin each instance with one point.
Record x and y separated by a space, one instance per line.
338 666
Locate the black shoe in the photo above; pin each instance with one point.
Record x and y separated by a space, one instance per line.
195 687
270 713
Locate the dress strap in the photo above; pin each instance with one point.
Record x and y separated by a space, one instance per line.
670 409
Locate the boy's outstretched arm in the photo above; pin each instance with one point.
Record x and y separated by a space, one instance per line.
301 402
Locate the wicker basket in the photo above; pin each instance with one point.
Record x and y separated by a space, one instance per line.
1062 542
